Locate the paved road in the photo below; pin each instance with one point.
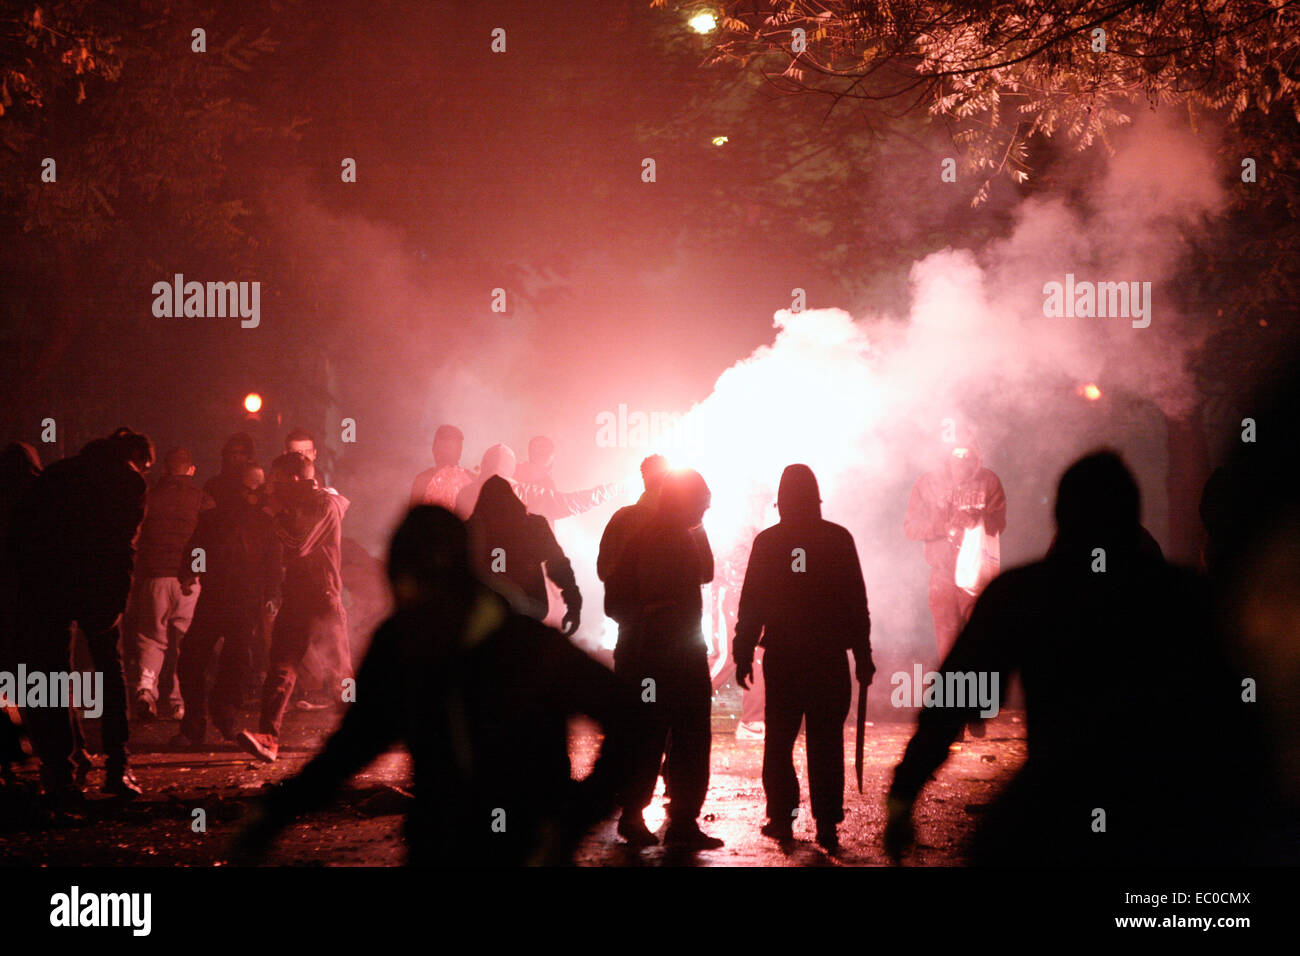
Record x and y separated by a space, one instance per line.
364 828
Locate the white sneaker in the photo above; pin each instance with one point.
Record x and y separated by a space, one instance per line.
750 730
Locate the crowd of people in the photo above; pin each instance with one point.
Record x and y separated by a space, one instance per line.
465 674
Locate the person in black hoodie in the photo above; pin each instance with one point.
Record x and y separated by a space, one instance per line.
481 696
654 594
805 602
240 575
1118 657
309 524
511 547
72 541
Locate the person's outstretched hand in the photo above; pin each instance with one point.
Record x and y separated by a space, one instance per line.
570 622
744 674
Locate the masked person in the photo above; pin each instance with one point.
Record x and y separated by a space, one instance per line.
945 504
481 696
240 575
308 523
516 552
442 484
236 454
805 602
654 594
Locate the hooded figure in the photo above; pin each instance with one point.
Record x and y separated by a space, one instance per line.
309 525
510 548
1117 655
547 502
481 697
944 504
72 543
805 603
654 594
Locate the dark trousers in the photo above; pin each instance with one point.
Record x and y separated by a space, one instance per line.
236 625
678 721
290 639
950 606
815 692
46 645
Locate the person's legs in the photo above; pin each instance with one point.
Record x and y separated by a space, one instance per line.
826 692
105 650
192 668
147 614
691 739
645 741
44 644
289 642
180 614
944 607
783 715
234 667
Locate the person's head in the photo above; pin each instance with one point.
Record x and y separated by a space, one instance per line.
497 502
178 462
497 460
541 451
252 477
429 554
683 498
132 448
963 454
653 470
290 472
798 497
237 451
1099 499
448 444
301 441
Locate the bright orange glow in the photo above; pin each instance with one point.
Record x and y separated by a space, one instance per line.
1090 391
252 403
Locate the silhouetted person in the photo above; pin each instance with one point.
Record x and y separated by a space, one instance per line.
547 502
654 594
1251 510
158 612
1136 747
945 503
308 522
630 519
72 540
514 552
236 454
442 484
805 601
481 697
19 468
240 577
